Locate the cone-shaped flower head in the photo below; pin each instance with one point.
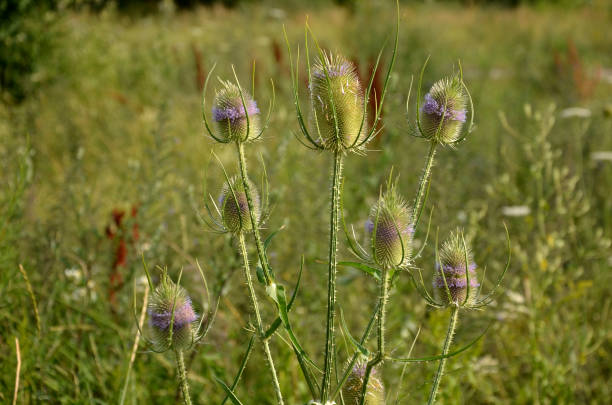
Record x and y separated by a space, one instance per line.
230 116
335 87
235 207
443 112
452 269
172 319
390 229
351 390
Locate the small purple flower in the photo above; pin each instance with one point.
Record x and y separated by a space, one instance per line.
456 270
333 70
433 107
455 282
183 315
235 112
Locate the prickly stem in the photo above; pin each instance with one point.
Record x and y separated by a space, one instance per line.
182 375
452 323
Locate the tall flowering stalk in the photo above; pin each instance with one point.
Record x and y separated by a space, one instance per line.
338 104
237 120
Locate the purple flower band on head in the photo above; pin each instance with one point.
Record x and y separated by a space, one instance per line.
455 282
234 113
431 106
456 270
333 71
182 316
360 369
369 227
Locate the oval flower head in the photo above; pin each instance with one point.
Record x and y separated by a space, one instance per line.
390 230
351 390
230 115
337 102
172 319
443 112
452 272
235 208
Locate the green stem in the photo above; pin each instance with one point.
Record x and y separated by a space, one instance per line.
255 225
331 276
260 329
418 201
380 353
447 342
182 374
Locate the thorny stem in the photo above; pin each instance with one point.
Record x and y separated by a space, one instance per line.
247 191
331 276
380 352
182 375
418 201
260 330
447 342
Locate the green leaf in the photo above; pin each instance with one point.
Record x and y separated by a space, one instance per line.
365 268
229 392
260 275
355 343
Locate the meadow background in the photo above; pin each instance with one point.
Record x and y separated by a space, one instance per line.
103 156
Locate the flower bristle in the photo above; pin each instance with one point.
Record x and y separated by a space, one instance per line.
451 272
230 116
335 85
351 390
390 230
235 208
170 310
443 112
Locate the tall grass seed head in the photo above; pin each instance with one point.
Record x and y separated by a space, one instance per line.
335 85
234 206
230 116
167 298
390 230
452 268
351 390
444 112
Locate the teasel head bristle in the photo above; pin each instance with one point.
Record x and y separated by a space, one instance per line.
234 206
233 121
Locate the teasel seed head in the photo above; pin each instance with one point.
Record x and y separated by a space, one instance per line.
235 208
351 390
230 115
452 269
172 319
444 111
335 86
390 230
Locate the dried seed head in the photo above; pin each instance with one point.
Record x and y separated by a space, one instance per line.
235 207
443 112
351 390
335 87
453 273
172 319
230 116
390 230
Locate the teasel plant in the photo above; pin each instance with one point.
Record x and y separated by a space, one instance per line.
455 286
240 211
441 117
174 323
338 124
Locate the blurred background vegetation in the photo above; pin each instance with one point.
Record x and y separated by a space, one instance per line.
102 156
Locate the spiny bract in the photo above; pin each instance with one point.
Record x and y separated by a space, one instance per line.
335 87
230 115
235 208
171 311
390 230
351 390
443 112
452 269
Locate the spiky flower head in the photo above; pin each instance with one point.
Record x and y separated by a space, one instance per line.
390 229
444 110
172 319
453 272
235 207
336 97
351 390
230 115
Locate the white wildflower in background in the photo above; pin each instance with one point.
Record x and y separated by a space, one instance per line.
575 112
516 210
601 156
74 275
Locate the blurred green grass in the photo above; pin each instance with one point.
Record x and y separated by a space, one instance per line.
116 123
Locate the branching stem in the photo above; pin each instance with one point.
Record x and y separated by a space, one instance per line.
452 323
380 352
